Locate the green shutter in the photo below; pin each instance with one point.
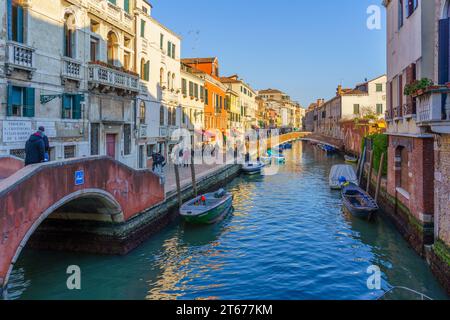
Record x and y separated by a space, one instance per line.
9 101
66 104
142 28
76 111
147 71
19 26
29 99
126 5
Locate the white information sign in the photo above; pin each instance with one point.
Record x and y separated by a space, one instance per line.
49 126
16 131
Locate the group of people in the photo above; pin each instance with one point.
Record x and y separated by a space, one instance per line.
37 148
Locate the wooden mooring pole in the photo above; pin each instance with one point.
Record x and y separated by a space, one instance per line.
194 182
369 176
177 179
380 172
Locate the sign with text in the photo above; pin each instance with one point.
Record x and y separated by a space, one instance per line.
16 131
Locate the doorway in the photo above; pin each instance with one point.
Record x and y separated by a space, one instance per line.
111 145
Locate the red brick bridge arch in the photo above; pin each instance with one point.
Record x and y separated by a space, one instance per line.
97 187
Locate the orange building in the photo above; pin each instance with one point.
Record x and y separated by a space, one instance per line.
216 114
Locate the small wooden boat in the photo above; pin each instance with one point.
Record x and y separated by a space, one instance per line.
357 201
340 171
350 159
253 167
287 146
214 207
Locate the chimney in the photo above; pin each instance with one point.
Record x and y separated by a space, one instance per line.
339 90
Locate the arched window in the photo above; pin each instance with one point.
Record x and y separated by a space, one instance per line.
161 116
69 35
142 112
169 80
113 48
161 77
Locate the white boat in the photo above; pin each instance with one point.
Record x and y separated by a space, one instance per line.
342 170
253 167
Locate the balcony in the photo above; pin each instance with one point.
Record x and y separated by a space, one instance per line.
389 115
109 78
111 13
20 56
433 109
170 96
71 69
409 110
398 113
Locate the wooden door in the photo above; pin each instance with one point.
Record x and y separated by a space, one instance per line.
111 145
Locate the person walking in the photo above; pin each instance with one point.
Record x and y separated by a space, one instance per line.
35 149
46 144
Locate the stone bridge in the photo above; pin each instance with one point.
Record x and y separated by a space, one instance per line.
96 188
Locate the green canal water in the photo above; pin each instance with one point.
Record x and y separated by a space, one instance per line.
287 239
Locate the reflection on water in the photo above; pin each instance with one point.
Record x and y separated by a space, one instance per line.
286 239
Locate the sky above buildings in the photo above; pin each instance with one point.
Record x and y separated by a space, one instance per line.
305 48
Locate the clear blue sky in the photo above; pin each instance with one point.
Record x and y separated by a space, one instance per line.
305 48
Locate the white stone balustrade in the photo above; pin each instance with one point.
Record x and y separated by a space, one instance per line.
20 56
103 75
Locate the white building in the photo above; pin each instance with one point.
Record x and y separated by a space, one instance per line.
158 56
192 99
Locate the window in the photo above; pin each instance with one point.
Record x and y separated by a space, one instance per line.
20 102
169 76
173 51
169 48
161 116
126 5
356 109
145 70
400 13
379 87
196 90
142 112
184 87
15 22
127 139
95 130
127 60
191 89
69 152
142 28
94 49
112 48
150 150
71 106
379 108
112 1
202 92
69 36
161 41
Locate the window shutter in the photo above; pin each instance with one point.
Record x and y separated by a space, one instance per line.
9 13
9 101
76 111
66 104
147 70
443 50
126 5
19 24
28 108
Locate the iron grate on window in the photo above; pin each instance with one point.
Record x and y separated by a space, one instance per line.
127 139
19 153
69 152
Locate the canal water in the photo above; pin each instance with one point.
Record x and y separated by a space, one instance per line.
287 239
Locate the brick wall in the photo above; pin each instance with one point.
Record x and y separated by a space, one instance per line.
420 170
442 187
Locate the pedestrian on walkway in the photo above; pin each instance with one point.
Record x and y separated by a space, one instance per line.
35 149
46 144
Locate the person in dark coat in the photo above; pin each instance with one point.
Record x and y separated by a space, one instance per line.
34 149
46 143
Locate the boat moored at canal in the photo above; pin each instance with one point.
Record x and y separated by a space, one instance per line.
341 171
208 208
358 202
253 167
